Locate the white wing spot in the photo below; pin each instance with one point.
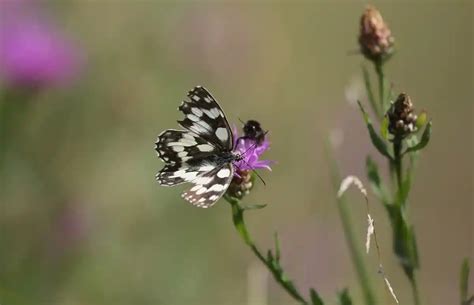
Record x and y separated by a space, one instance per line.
201 190
210 113
196 98
182 154
205 147
193 117
215 112
196 111
200 128
223 173
216 188
206 168
178 148
203 180
222 133
190 176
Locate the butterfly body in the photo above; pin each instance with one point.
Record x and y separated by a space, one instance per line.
202 154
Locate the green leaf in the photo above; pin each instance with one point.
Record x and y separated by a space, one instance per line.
384 128
375 181
315 298
425 138
253 206
464 283
404 241
421 120
270 257
378 142
404 190
344 298
277 247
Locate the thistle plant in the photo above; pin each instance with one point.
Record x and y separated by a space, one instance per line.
252 145
402 135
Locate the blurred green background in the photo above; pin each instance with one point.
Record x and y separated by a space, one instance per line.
84 222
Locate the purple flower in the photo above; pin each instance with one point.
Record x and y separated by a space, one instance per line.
32 52
251 152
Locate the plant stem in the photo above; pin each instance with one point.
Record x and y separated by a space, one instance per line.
414 287
275 269
381 78
351 239
397 148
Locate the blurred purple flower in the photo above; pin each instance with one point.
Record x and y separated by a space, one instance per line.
251 152
32 52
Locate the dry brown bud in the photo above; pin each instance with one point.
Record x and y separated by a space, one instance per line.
241 184
375 38
401 118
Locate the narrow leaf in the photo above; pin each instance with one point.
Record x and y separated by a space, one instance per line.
315 298
344 298
378 142
384 128
253 206
375 181
277 247
425 138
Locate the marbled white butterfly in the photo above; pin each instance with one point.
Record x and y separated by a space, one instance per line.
203 154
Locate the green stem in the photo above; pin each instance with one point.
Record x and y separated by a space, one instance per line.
414 288
271 263
353 243
397 149
381 79
370 94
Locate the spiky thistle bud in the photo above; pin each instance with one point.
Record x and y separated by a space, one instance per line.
375 38
401 117
241 185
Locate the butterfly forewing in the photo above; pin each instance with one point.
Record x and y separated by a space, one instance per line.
210 186
204 117
180 146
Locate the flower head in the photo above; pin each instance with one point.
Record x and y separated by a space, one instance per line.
250 149
375 38
401 116
32 52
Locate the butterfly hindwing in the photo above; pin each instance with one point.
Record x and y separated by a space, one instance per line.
174 174
180 146
210 186
204 117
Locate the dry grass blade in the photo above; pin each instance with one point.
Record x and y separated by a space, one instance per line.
345 184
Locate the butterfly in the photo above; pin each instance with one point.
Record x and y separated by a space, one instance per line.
202 154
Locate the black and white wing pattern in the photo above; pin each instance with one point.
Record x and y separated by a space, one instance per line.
210 186
205 118
199 154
